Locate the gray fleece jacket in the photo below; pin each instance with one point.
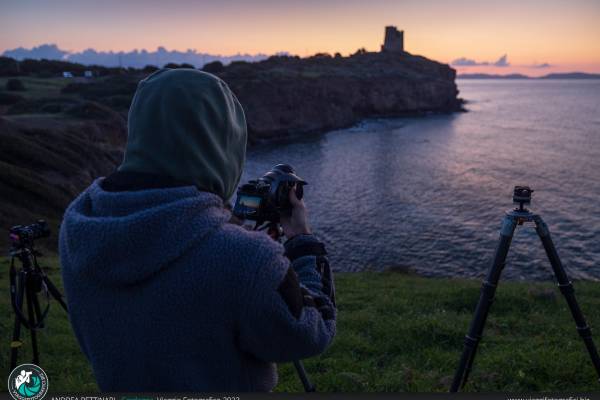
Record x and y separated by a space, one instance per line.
165 295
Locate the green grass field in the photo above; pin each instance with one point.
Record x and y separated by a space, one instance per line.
396 332
39 87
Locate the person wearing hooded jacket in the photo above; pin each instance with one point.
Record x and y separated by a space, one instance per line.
164 293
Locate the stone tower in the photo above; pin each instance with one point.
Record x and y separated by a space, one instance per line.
394 40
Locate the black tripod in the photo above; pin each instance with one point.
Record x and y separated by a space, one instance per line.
488 289
25 285
274 230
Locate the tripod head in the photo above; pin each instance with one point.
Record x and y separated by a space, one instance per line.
522 196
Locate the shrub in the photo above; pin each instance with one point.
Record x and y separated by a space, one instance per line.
213 67
7 99
9 66
15 85
174 65
43 105
148 69
90 110
119 102
360 51
110 86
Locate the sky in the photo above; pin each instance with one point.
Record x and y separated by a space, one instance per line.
512 36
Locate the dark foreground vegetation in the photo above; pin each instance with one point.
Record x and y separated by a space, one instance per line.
396 332
58 134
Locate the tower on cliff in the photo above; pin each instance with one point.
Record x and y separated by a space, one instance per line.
394 40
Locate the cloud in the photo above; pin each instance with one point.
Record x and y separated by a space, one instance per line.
541 65
502 62
47 51
135 58
468 62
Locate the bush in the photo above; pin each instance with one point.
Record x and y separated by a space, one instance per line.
174 65
148 69
321 55
119 102
47 68
44 105
52 68
51 108
9 66
213 67
7 99
15 85
90 110
110 86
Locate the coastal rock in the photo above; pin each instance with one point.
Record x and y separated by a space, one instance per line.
289 96
54 142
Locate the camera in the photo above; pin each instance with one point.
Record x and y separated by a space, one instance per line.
267 198
522 195
24 235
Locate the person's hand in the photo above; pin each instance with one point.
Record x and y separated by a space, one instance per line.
295 224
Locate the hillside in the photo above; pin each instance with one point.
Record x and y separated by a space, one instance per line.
58 134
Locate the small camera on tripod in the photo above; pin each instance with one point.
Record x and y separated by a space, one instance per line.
522 196
26 284
512 219
24 236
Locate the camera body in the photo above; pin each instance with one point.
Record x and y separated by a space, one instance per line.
267 198
24 235
522 196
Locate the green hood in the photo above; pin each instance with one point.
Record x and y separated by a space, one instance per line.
188 125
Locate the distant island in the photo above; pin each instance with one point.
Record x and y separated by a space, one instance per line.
63 124
566 75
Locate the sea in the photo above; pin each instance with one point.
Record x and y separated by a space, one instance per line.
428 194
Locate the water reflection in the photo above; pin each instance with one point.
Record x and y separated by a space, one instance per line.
430 192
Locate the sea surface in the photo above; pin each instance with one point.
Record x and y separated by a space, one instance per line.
429 193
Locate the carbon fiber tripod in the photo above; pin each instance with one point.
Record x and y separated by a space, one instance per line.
25 285
518 216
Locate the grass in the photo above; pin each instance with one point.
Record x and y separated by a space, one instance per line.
396 332
36 88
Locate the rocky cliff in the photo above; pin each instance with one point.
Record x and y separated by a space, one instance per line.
286 96
57 135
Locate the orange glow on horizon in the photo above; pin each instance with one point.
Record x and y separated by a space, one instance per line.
565 35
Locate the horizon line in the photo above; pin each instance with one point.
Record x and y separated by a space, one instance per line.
65 55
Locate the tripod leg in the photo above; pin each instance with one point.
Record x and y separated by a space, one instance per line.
29 293
16 338
566 288
55 292
486 298
308 386
38 311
